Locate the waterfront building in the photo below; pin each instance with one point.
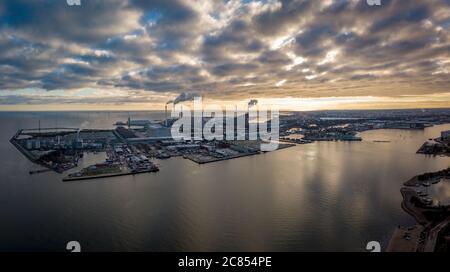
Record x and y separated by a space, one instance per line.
445 135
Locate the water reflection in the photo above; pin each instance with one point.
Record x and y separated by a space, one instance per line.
324 196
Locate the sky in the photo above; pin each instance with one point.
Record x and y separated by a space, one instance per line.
299 54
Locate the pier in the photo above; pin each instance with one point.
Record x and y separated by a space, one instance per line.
109 175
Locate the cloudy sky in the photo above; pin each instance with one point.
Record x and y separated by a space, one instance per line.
137 54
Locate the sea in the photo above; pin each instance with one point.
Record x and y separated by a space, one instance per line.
325 196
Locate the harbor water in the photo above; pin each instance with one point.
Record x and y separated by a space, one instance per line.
325 196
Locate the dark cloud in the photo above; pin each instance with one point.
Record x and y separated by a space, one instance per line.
290 13
93 21
233 69
235 49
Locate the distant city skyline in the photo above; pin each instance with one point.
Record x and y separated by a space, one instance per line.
301 55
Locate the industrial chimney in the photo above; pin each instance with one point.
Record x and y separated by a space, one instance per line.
165 117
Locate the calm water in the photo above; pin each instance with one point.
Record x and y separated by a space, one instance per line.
318 197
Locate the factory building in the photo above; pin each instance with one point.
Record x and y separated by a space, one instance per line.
33 144
445 135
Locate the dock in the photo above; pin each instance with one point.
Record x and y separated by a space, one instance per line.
202 159
109 175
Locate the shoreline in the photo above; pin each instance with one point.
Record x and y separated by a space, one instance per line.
125 173
432 221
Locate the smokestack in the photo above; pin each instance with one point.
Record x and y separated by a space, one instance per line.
165 116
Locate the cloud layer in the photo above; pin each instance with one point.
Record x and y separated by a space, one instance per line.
135 51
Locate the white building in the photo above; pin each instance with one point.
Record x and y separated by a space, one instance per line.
445 134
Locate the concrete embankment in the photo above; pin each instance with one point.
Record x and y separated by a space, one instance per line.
109 175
